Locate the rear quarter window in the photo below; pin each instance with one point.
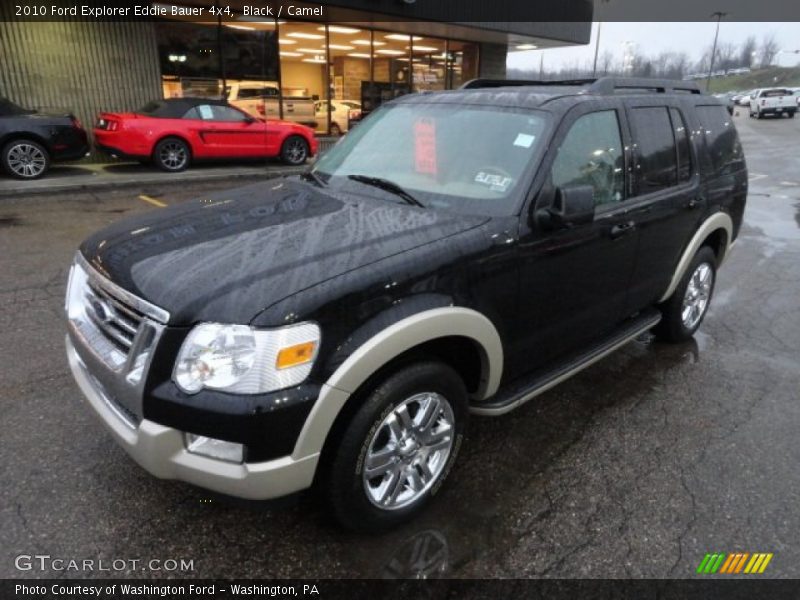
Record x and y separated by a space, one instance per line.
722 141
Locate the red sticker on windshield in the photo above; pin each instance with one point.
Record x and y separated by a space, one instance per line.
425 146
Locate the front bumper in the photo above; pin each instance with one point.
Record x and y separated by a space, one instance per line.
161 451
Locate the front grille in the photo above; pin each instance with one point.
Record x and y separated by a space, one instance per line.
118 321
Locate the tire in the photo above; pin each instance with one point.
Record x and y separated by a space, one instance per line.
335 129
25 159
294 150
172 155
791 115
370 439
759 115
681 316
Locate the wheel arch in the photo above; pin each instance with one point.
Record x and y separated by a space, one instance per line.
14 136
716 232
163 136
430 334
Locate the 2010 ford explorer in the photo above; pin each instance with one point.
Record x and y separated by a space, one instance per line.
459 252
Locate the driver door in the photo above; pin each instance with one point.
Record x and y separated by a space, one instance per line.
574 277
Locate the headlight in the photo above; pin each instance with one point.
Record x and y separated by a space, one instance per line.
243 360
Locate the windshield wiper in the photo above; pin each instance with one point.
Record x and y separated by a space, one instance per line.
314 177
387 186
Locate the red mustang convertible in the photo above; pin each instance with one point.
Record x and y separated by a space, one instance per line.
172 133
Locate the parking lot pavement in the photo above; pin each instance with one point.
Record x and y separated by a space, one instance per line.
95 177
637 467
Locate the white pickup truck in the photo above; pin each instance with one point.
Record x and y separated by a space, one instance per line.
262 100
773 101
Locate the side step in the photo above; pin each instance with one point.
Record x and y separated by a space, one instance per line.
539 382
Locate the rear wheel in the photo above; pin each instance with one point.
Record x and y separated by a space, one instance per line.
25 159
683 312
171 154
294 150
399 447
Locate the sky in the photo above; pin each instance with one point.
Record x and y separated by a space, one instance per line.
654 38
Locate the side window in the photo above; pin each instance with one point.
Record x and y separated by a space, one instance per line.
192 113
682 141
226 113
657 159
722 140
591 154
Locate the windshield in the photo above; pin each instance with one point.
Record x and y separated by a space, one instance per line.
8 108
471 159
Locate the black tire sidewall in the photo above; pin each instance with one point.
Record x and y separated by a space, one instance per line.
285 146
7 149
157 152
349 500
671 327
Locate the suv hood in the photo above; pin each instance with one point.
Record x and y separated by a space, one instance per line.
227 257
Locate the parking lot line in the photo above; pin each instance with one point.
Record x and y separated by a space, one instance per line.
153 201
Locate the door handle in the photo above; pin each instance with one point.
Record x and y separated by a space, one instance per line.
622 228
694 202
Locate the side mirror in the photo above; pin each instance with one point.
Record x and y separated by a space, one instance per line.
573 205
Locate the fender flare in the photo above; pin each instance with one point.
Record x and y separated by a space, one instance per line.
718 220
388 344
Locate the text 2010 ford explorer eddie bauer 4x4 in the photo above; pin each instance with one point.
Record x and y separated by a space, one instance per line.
456 252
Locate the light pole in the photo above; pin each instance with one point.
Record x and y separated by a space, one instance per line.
597 43
719 16
597 48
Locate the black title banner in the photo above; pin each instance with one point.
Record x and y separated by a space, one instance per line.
447 11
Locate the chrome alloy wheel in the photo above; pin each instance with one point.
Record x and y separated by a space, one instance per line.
173 155
408 451
296 150
26 160
698 293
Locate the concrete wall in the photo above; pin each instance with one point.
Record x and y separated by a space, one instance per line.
493 61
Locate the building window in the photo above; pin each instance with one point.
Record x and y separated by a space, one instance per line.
189 58
429 64
462 64
316 74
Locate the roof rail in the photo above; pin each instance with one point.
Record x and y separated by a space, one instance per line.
601 86
610 85
495 83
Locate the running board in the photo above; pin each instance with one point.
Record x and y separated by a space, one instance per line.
521 391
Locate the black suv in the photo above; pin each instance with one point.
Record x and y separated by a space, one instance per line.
458 252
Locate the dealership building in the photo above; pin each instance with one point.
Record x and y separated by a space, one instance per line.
302 68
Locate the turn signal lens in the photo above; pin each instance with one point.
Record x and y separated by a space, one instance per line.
298 354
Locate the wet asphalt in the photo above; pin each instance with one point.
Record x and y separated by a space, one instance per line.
637 467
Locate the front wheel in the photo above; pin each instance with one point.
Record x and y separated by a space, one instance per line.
399 447
294 150
683 312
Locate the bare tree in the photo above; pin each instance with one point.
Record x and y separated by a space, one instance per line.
747 52
769 49
727 56
606 63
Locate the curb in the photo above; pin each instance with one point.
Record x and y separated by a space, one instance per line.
43 187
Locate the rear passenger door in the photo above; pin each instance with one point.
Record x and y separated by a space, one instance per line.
666 201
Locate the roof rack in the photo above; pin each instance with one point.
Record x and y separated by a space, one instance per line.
600 86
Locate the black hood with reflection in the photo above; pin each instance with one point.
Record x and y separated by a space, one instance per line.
228 256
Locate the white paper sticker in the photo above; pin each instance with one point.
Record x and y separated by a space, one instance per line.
524 140
205 112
